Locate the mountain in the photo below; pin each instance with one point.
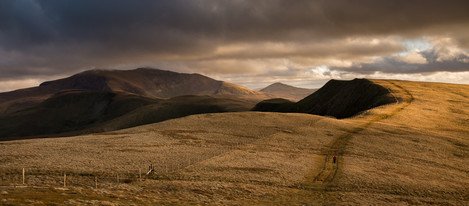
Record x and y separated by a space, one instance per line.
146 82
287 92
340 99
150 82
103 100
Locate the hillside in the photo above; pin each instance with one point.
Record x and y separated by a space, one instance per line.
69 111
24 98
173 108
412 152
146 82
340 99
287 92
85 111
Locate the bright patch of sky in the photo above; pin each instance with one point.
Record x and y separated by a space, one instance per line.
415 45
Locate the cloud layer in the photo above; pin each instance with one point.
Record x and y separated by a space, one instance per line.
241 37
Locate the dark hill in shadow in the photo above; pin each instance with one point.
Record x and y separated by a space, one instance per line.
340 99
82 111
174 108
69 111
274 105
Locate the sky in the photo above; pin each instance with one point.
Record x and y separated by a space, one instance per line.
252 43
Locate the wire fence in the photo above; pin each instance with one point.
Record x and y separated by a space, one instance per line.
164 167
37 177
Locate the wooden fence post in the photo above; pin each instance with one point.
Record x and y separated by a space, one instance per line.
23 176
117 177
65 179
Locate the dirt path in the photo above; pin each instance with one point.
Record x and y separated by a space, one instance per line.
322 179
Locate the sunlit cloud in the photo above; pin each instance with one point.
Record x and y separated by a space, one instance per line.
9 85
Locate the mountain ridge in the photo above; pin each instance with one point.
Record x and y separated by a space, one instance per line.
153 83
148 82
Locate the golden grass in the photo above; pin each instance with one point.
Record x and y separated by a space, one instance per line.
410 157
413 152
230 155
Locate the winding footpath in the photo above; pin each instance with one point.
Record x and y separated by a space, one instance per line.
322 180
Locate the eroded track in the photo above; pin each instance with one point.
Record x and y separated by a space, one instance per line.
328 170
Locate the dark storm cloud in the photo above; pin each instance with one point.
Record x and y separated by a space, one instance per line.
116 20
22 23
53 37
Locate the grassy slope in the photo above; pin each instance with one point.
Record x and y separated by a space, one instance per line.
419 155
414 152
226 158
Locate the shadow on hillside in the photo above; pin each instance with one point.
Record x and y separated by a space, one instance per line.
339 99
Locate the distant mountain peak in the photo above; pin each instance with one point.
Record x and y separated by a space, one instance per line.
279 83
282 90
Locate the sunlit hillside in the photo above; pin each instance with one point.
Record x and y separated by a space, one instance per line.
415 151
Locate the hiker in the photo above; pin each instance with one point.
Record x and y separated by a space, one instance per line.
334 159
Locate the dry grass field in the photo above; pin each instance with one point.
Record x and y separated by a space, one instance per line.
419 155
412 152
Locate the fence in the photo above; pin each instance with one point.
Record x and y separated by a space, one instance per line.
37 177
163 167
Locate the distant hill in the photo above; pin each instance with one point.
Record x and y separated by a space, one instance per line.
84 111
146 82
151 83
340 99
84 101
287 92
